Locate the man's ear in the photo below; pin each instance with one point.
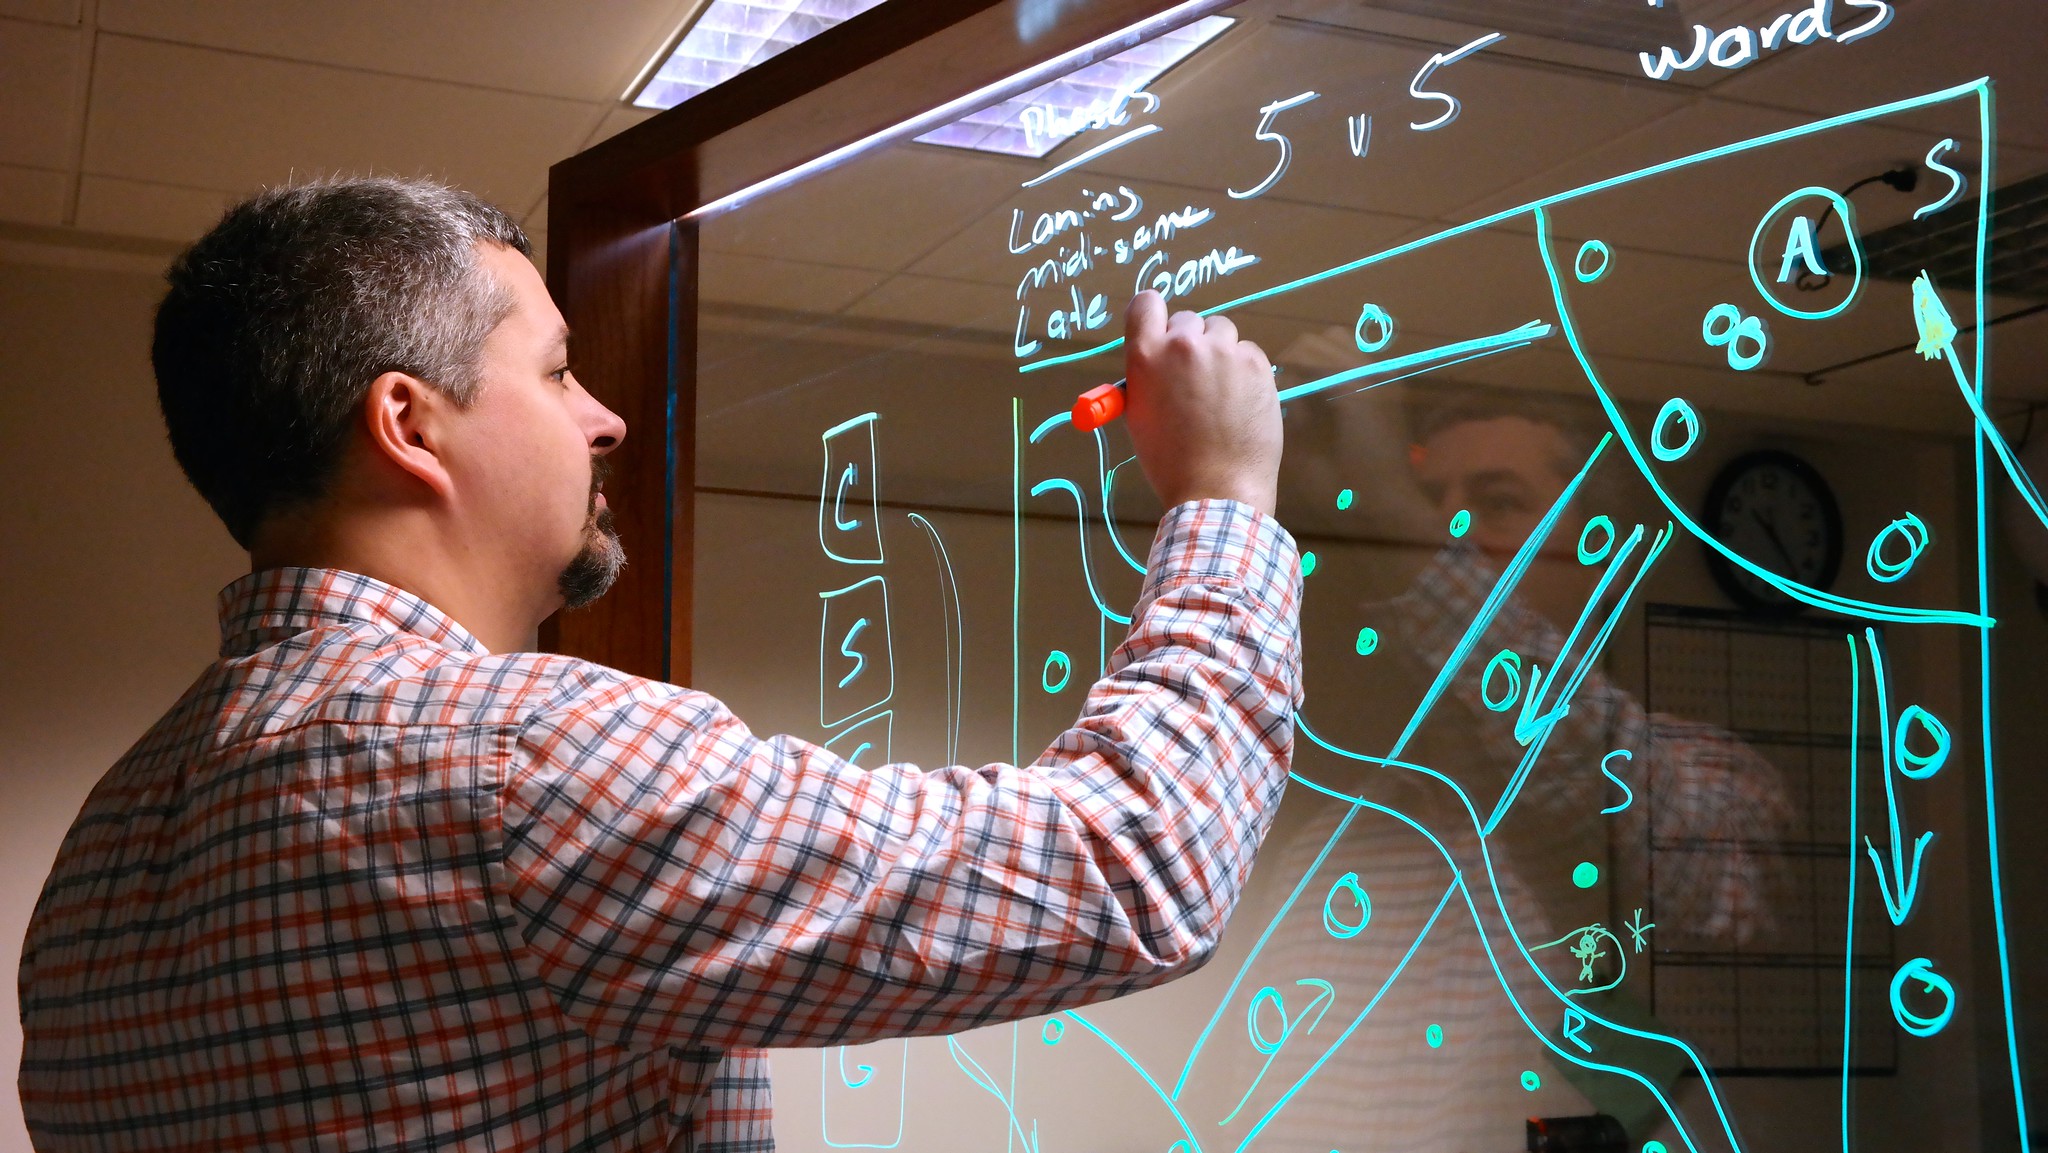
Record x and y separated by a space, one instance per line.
405 420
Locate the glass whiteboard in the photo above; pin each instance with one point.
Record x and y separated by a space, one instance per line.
1662 508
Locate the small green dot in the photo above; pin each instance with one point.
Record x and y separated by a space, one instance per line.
1344 499
1435 1036
1461 522
1531 1081
1368 640
1586 875
1653 1147
1308 563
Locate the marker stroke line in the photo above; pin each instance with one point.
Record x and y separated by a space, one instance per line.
1110 145
1534 330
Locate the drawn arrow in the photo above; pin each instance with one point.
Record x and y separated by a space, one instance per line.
1937 338
1903 885
1528 725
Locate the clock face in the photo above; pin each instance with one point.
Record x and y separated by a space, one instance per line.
1776 512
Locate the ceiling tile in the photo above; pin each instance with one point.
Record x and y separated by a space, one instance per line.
1917 53
736 278
618 120
32 195
244 122
942 302
135 208
589 50
883 213
39 117
44 11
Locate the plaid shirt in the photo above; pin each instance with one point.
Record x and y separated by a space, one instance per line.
369 886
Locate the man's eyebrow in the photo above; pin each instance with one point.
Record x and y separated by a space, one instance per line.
1495 476
561 340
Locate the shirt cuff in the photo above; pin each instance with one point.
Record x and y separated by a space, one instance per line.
1229 545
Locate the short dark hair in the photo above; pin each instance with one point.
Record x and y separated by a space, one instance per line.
279 319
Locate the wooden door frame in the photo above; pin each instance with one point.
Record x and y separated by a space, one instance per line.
622 252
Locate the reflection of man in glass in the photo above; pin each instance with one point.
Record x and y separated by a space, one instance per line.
1567 862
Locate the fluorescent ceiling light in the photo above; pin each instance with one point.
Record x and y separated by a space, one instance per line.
1036 122
730 36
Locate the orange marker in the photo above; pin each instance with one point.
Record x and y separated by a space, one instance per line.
1099 405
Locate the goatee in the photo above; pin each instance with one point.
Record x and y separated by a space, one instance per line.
590 573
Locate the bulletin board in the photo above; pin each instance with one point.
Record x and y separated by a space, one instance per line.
1644 369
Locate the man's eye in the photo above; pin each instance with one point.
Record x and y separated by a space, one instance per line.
559 373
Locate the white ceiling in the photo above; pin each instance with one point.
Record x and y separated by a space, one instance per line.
139 120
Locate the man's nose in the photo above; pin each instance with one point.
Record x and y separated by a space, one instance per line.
606 429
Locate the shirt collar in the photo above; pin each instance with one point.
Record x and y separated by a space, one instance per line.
272 605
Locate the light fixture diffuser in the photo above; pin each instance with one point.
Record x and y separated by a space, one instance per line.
731 36
1034 123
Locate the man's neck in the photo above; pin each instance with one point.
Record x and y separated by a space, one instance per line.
404 549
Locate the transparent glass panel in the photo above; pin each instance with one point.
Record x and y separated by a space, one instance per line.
1660 510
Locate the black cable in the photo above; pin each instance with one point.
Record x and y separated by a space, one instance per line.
1904 178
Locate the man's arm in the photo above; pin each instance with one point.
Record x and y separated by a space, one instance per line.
680 881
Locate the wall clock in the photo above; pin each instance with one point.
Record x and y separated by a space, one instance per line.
1773 509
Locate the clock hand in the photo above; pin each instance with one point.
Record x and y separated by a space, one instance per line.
1771 530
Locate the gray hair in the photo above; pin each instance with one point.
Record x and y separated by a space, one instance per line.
278 320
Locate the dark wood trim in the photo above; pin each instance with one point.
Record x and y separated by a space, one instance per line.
610 270
623 269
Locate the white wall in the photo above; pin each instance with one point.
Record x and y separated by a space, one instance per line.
109 564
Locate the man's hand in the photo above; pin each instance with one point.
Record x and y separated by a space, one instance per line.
1201 407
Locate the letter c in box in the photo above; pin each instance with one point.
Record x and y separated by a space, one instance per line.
865 744
849 522
856 662
866 1087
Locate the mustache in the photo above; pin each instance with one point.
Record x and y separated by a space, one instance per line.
600 471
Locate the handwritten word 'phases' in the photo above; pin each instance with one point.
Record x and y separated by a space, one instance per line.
1156 268
1741 45
1046 124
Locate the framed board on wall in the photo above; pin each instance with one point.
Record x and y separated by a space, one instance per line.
1533 279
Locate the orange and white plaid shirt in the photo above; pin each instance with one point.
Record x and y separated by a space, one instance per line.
369 886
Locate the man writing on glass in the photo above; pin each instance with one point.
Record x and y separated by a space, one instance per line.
379 881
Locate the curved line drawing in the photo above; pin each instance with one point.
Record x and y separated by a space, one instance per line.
1108 477
956 639
1062 484
1915 744
1797 591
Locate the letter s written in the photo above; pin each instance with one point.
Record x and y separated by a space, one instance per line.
1869 27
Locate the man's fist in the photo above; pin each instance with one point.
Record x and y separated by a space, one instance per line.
1201 407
